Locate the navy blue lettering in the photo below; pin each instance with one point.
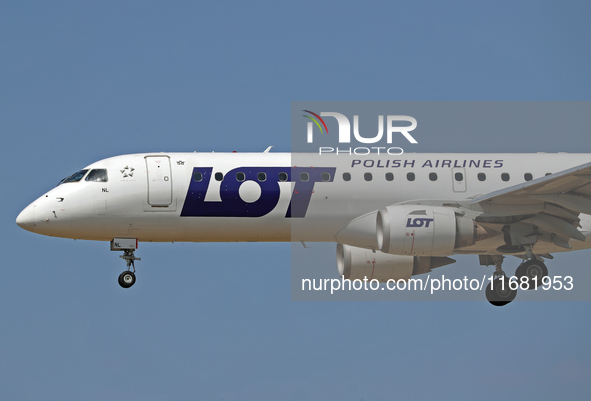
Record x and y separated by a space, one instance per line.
418 222
232 205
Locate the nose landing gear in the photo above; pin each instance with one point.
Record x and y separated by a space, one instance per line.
128 246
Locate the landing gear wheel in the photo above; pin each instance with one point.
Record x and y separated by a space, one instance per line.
534 270
126 279
499 293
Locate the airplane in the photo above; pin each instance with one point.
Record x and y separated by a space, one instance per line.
407 214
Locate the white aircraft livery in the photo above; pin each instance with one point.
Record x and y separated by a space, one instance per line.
407 213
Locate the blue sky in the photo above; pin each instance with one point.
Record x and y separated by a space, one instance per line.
83 81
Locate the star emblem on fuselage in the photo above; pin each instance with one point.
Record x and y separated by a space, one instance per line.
127 171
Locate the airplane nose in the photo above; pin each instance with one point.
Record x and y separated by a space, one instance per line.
26 218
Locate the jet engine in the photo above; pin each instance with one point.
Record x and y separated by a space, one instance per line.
358 263
419 230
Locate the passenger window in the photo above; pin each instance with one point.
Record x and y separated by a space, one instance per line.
98 175
505 176
325 176
481 176
197 176
528 177
433 176
282 177
240 177
367 176
262 176
74 177
346 176
219 176
389 177
304 177
459 176
410 176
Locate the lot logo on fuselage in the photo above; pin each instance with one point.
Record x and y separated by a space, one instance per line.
268 179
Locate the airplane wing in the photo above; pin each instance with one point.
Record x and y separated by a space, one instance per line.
575 179
552 203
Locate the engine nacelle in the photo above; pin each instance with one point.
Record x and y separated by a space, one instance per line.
358 263
423 230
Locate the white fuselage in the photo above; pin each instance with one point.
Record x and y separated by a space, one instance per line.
169 197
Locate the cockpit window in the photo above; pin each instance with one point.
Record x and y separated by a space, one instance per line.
74 177
98 175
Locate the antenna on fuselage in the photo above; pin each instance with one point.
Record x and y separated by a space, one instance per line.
268 149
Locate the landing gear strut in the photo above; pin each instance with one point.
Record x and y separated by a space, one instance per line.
498 291
128 246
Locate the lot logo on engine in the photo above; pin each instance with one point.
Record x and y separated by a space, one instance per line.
418 222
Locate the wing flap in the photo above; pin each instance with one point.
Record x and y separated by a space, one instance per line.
556 226
554 202
573 202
